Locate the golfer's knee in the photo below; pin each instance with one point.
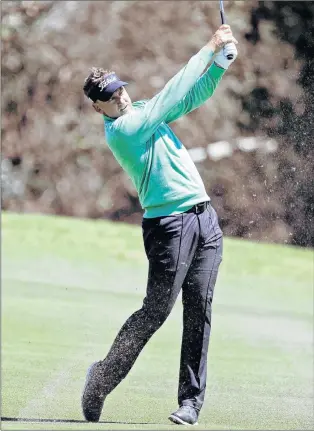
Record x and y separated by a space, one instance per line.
156 317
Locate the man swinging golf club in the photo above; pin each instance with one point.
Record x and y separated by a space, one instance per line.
182 237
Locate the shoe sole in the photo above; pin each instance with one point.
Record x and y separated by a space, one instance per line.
178 421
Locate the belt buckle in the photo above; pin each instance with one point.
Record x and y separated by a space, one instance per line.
198 208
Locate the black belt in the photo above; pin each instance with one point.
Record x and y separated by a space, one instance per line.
199 208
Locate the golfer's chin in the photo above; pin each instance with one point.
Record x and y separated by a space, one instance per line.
126 110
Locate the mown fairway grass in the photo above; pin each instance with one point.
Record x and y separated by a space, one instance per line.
67 287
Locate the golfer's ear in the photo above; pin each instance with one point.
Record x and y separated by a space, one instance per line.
97 109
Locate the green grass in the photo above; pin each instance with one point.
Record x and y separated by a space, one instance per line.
67 287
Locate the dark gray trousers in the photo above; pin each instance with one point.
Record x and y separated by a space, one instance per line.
184 252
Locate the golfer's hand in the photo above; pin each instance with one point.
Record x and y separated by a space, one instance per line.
222 36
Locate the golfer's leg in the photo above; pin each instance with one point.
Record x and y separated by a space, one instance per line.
197 295
168 243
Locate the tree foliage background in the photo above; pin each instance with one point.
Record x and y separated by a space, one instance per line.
54 157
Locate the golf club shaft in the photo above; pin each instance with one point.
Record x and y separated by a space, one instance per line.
226 50
222 12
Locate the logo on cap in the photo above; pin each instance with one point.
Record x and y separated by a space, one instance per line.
107 80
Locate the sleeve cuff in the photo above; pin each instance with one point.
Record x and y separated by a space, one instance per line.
217 71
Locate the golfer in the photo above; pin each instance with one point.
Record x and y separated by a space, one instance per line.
182 237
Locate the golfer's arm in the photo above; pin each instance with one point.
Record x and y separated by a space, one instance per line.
203 89
144 122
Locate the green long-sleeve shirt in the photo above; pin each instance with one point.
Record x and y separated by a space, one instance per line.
158 164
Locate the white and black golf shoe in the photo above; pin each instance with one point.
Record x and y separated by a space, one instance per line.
185 415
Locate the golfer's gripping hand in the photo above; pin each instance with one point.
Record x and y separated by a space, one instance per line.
222 41
221 37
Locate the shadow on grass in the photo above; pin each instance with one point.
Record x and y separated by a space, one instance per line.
74 421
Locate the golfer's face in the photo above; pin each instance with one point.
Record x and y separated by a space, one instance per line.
119 104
